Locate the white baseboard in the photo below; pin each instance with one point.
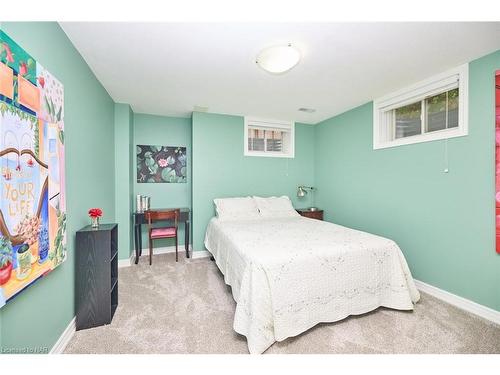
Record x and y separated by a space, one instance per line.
126 262
64 339
163 250
460 302
200 254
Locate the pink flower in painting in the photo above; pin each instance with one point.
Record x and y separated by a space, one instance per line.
10 58
162 163
23 68
41 81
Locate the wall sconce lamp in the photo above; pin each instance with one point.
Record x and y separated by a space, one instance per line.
302 190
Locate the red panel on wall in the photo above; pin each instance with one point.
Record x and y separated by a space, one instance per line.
497 158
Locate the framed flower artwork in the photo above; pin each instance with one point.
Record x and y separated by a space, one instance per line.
161 164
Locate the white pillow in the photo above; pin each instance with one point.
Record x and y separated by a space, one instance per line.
241 208
275 207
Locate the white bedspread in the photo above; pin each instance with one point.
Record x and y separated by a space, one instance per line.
287 275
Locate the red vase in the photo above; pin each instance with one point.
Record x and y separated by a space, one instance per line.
5 273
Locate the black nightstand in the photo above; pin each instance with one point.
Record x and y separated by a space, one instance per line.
312 214
96 279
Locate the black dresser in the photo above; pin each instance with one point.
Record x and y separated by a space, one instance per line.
96 290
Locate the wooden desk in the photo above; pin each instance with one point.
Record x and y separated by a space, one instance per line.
140 219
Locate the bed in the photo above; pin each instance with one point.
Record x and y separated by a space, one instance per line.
288 274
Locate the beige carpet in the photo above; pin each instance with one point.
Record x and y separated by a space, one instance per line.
187 308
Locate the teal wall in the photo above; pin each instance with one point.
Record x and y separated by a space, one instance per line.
38 316
164 131
443 222
221 170
124 172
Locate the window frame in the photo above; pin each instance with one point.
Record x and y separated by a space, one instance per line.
265 124
384 127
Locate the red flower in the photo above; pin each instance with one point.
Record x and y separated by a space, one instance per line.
23 68
95 212
10 58
41 81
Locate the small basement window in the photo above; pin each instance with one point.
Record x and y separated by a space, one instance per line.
269 138
430 110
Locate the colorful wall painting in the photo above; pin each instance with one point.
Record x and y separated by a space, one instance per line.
164 164
32 184
497 158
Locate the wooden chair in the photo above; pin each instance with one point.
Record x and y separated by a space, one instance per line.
162 232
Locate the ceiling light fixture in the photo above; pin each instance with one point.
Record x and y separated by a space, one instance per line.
278 59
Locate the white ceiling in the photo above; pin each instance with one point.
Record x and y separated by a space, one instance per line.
168 68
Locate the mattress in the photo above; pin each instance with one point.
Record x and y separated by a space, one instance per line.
289 274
